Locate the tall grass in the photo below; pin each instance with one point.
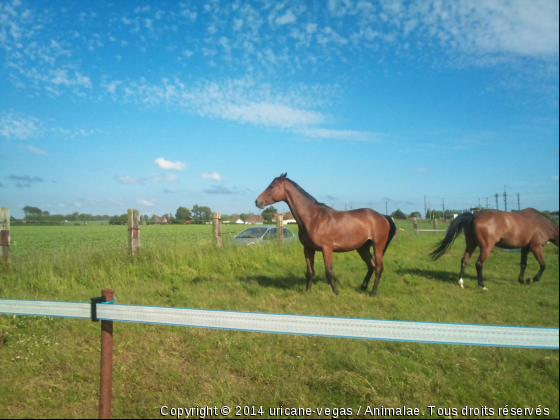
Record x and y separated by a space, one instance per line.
50 366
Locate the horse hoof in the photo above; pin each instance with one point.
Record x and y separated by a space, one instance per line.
529 281
485 289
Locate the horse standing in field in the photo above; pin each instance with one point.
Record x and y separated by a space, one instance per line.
527 229
324 229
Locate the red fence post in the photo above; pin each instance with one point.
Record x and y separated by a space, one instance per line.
106 378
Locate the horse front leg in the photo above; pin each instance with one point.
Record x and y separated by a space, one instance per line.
328 257
310 261
524 254
538 253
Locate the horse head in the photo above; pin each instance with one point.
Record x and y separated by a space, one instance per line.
274 193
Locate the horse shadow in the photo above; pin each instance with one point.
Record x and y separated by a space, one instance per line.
286 282
443 276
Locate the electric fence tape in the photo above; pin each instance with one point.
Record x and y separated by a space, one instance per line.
371 329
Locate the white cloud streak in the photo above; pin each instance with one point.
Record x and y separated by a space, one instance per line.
211 175
166 164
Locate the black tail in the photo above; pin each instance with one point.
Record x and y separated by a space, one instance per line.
457 226
392 231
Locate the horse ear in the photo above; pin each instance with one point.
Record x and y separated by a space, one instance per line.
283 176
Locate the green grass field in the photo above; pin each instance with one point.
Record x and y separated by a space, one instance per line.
50 367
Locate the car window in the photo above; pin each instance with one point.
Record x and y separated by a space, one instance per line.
254 232
288 233
271 234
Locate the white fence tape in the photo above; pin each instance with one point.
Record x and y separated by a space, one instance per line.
428 332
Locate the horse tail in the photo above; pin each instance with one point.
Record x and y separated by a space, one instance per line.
392 231
460 224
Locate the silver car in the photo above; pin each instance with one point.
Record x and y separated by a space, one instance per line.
258 234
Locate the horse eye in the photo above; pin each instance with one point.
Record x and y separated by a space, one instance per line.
270 187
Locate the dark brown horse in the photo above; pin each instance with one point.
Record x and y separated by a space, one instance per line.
324 229
527 229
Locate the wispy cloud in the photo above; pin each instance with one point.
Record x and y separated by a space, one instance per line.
25 178
218 189
211 175
419 170
147 203
16 126
166 164
323 133
165 178
128 180
35 150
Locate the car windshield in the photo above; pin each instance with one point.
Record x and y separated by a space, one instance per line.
255 232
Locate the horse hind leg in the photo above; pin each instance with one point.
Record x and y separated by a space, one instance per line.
538 253
378 268
465 261
524 254
365 253
328 257
310 261
484 254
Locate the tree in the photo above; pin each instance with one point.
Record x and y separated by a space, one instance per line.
244 216
183 214
269 213
201 214
416 214
398 214
32 211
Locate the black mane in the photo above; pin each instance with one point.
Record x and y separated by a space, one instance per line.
306 194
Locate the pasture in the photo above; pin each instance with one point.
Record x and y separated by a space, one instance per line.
50 367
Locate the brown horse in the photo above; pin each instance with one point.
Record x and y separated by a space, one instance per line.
324 229
527 229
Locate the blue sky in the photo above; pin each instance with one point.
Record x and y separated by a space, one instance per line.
106 106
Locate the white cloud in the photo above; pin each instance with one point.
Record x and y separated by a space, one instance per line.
289 17
167 178
211 175
128 180
166 164
419 170
147 203
35 150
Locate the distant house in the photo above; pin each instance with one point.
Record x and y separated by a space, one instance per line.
188 222
287 218
255 219
239 222
160 220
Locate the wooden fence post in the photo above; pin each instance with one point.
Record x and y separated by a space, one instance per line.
280 228
435 226
106 377
133 231
416 226
217 228
5 236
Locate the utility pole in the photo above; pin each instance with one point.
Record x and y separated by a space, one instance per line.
386 211
497 202
518 202
443 208
425 208
479 205
487 203
505 197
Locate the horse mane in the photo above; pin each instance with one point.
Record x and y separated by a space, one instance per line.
306 194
